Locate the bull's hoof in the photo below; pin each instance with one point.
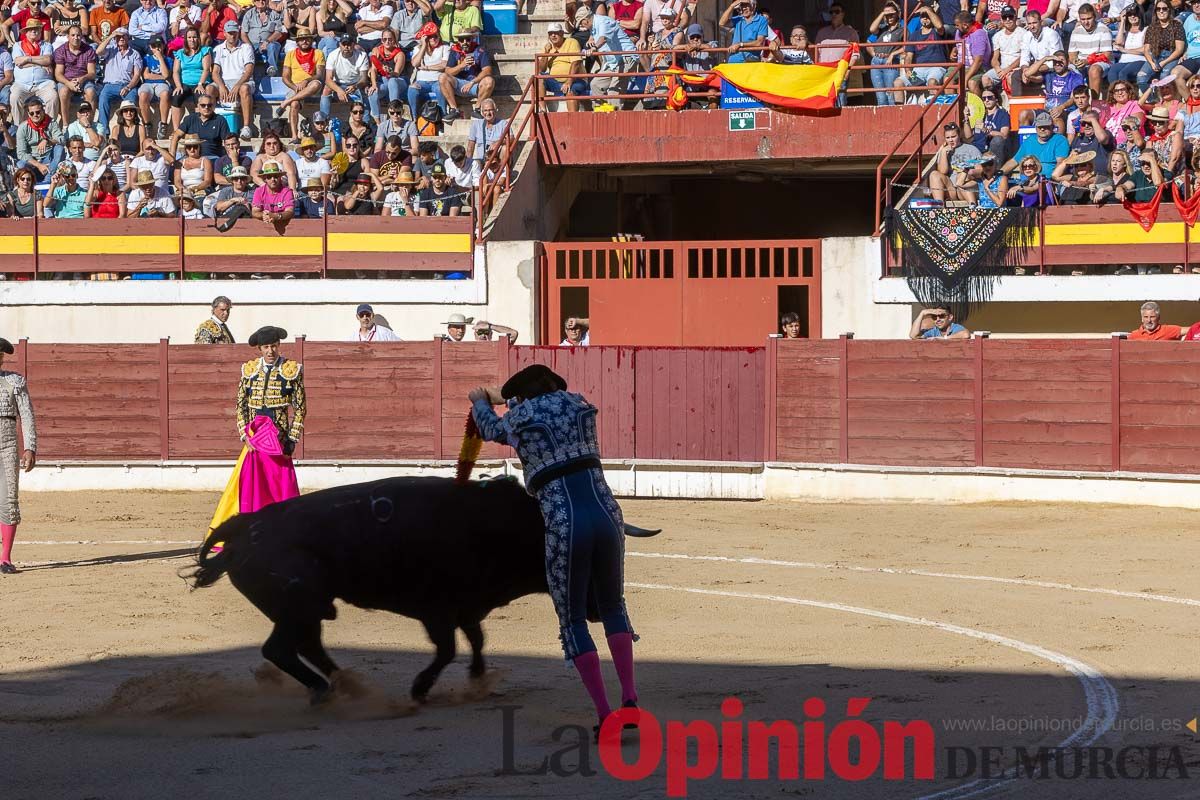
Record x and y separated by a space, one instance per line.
477 671
420 697
319 697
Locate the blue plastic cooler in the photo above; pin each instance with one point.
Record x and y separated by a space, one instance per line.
499 16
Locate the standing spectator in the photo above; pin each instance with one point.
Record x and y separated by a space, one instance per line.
233 75
1152 328
487 133
304 75
1048 147
992 130
941 325
1008 45
232 157
313 203
155 160
1131 46
147 22
920 58
407 21
32 59
796 52
75 72
148 200
364 199
37 140
697 56
461 15
388 60
439 200
953 159
263 30
66 199
1166 44
75 157
122 73
192 73
563 64
157 82
577 332
310 165
85 128
106 19
630 15
399 201
349 76
206 124
885 29
652 18
374 17
835 36
749 30
468 73
368 330
215 329
1044 42
428 60
484 331
105 200
606 35
273 202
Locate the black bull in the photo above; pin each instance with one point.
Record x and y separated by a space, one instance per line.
442 553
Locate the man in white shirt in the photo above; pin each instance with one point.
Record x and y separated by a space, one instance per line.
83 164
1044 42
369 331
309 165
233 71
578 332
372 19
347 71
1008 44
1090 39
148 200
155 160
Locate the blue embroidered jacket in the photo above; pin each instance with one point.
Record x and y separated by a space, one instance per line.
549 432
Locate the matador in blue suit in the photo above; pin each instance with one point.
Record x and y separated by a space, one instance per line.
554 434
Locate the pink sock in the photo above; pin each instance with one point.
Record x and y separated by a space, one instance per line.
7 533
621 647
588 665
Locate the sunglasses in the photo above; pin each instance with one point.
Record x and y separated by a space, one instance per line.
1120 89
1059 63
364 314
1029 166
356 111
204 105
989 97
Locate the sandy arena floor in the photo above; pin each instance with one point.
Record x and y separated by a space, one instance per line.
1000 625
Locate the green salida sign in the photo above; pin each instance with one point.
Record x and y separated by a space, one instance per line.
741 121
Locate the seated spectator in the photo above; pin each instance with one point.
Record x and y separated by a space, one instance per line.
157 83
313 203
1060 83
205 123
468 73
1028 187
920 58
388 163
974 50
439 199
1135 139
789 323
16 25
464 172
189 203
696 57
1189 117
1091 47
235 200
212 24
937 323
264 30
127 129
348 76
75 72
1095 139
1009 43
1165 46
122 74
459 16
564 63
193 171
1048 147
993 129
1129 46
24 201
396 125
429 59
342 174
885 29
147 22
148 199
1120 183
364 198
76 158
1146 178
1190 64
66 199
359 125
410 16
86 128
1165 141
185 14
374 17
192 74
605 35
750 30
304 76
233 75
38 138
105 200
399 200
577 331
273 202
309 164
334 20
106 19
388 61
1081 98
1044 42
1152 328
273 152
427 156
153 159
7 75
487 133
953 158
1162 93
32 62
230 158
1076 178
991 185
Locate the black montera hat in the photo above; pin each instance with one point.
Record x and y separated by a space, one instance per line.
532 375
268 334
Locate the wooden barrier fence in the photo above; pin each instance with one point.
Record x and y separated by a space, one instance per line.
305 247
1069 405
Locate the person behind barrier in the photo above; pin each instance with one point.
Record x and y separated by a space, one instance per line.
790 323
1152 328
369 330
554 434
456 327
484 331
564 64
215 329
577 331
750 29
937 323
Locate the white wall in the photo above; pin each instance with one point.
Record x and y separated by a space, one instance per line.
850 269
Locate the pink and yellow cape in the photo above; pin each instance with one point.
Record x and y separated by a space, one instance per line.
263 474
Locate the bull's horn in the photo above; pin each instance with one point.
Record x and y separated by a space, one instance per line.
641 533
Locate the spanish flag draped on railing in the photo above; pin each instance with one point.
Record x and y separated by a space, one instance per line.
802 86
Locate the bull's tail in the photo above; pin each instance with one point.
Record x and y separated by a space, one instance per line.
210 566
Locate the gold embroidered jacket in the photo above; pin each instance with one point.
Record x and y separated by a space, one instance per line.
269 390
210 332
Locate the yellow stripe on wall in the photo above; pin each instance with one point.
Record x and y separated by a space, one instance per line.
252 246
1114 233
399 242
108 245
16 245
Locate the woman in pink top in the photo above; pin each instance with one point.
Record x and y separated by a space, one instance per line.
273 202
1122 104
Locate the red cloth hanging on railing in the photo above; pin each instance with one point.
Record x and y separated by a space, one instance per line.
1146 214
